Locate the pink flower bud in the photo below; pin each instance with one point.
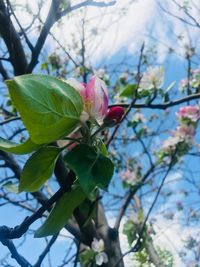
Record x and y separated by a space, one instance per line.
94 95
114 115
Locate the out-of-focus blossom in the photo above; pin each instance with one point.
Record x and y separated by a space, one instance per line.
98 247
139 117
191 113
101 258
153 78
129 177
183 85
170 144
114 116
100 73
94 95
182 138
193 82
185 132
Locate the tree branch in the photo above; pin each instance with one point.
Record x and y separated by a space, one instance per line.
12 41
18 231
45 252
163 105
53 16
15 255
3 72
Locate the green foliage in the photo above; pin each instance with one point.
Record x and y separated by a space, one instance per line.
142 258
61 212
129 231
165 256
129 91
102 148
86 257
12 147
38 168
92 168
49 108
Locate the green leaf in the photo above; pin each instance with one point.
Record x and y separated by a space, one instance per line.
20 149
49 107
102 148
130 231
87 257
11 187
61 212
92 168
129 91
38 168
169 88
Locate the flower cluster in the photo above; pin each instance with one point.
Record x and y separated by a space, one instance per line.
193 82
98 247
182 138
188 114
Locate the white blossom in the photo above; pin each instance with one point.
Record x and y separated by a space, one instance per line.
97 245
152 78
101 258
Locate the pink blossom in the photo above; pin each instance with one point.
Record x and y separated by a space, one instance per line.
94 95
189 112
185 132
183 84
129 177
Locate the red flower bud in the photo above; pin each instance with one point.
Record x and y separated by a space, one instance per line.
114 116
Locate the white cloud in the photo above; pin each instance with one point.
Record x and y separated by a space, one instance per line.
123 26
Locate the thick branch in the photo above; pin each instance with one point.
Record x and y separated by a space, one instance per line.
12 41
18 231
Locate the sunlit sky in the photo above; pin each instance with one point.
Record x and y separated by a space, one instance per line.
120 33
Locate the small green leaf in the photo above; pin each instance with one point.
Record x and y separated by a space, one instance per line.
19 149
169 88
92 168
103 149
49 107
11 187
87 257
129 91
130 231
61 212
38 168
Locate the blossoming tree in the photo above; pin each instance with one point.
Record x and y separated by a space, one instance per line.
92 154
